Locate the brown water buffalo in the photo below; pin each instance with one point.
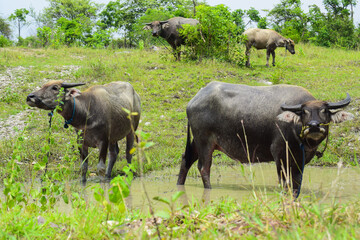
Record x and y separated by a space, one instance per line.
98 113
221 115
169 31
266 39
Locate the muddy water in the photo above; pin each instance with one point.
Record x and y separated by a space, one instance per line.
323 184
260 180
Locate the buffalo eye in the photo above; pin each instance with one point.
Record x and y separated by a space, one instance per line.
55 88
323 111
304 111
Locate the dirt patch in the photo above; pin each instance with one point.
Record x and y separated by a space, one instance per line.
9 75
13 124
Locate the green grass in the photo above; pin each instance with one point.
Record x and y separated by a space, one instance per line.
165 88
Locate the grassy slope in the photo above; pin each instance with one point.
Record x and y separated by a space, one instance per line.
165 88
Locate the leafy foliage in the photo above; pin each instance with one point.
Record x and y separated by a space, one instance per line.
289 19
215 37
334 28
5 29
4 42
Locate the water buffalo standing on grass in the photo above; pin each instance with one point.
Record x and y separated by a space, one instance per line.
98 113
169 31
266 39
222 114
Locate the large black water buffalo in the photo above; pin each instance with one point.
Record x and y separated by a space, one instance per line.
98 112
169 31
270 116
266 39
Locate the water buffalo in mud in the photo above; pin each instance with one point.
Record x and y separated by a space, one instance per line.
258 124
169 31
98 113
266 39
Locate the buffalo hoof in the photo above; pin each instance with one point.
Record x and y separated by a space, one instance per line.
101 168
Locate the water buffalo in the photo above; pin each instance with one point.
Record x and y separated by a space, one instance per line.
98 113
169 31
266 39
257 124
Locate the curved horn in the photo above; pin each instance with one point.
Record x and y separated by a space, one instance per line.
148 23
292 108
163 22
70 85
342 103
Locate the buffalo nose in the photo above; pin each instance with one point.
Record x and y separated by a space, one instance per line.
30 97
314 124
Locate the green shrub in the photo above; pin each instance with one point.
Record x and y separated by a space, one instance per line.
215 37
4 42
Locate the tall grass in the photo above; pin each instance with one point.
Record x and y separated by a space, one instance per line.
165 87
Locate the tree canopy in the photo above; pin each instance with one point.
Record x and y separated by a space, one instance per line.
85 23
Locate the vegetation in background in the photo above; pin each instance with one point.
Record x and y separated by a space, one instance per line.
119 23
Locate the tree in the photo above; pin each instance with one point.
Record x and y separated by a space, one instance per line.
5 29
19 17
289 19
335 27
252 15
122 15
238 18
70 9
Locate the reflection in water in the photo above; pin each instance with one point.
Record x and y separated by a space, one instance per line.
322 184
260 181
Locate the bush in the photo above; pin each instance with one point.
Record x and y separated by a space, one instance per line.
4 42
215 37
116 43
31 42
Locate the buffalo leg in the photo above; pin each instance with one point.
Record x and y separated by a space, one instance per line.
273 56
188 158
282 174
204 163
84 162
267 57
247 53
113 153
129 145
297 175
102 158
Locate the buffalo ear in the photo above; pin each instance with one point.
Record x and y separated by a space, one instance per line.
147 27
165 25
341 116
72 93
288 116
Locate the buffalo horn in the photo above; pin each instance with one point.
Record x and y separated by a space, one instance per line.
292 108
340 104
163 22
70 85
